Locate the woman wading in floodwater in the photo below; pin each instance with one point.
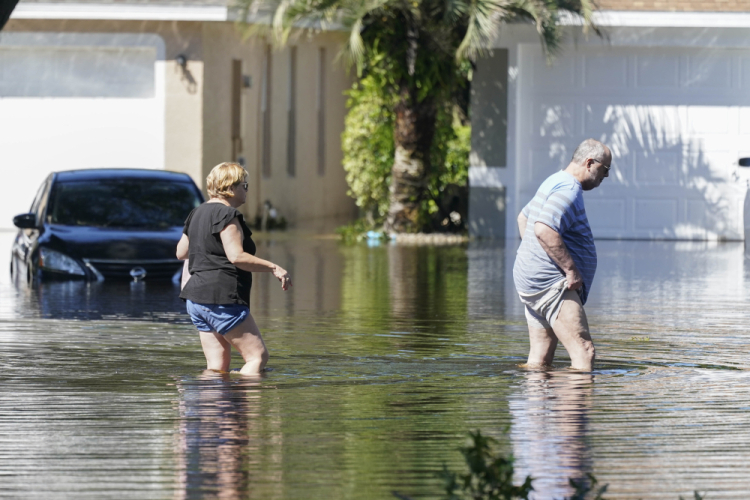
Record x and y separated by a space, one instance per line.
221 255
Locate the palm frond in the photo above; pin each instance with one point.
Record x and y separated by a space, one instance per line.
485 18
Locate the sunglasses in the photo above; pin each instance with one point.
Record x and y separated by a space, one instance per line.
606 167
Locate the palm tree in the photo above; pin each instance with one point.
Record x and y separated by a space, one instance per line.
6 9
417 49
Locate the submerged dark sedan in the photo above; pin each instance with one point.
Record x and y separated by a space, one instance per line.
113 224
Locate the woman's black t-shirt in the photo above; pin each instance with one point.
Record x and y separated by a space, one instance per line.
215 280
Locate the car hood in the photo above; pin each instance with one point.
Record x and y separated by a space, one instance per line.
110 243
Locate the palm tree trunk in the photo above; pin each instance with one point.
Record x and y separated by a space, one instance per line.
413 133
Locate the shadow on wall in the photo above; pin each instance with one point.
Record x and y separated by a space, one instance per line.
670 178
676 120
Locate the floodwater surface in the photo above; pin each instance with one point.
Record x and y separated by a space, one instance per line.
382 360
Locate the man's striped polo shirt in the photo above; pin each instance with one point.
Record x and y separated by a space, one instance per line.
559 204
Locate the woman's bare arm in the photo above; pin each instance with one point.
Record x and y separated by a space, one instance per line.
231 239
183 247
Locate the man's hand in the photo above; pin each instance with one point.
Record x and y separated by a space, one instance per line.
553 244
574 279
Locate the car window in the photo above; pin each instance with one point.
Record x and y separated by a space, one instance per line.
38 197
122 203
42 202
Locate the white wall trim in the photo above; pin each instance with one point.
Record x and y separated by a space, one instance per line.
120 12
487 177
47 39
646 19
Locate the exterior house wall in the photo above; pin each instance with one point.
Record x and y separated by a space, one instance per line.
198 109
306 195
221 46
698 42
676 5
183 145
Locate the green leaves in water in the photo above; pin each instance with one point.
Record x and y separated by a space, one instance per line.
583 488
696 496
490 477
640 338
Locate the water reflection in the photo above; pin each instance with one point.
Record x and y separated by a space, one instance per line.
81 300
549 414
215 453
383 359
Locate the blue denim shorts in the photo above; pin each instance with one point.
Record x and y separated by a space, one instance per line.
217 317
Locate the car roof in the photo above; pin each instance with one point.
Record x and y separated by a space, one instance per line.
120 173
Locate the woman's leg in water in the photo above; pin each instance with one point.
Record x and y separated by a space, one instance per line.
246 338
217 350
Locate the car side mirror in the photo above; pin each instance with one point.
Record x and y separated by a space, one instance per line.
25 221
744 162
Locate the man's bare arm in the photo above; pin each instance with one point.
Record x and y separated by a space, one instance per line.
522 220
553 244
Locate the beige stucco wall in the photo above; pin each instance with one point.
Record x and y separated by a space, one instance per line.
198 110
307 195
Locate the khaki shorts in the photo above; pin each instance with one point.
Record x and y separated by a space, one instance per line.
543 307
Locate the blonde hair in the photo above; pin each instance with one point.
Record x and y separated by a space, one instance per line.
222 177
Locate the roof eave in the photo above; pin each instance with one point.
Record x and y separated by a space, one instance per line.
651 19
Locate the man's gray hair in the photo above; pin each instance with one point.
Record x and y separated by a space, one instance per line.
590 148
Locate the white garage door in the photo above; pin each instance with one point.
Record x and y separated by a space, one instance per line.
66 103
676 120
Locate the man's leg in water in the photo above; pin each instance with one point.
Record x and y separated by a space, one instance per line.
572 329
543 343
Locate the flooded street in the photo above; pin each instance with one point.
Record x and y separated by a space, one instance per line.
382 360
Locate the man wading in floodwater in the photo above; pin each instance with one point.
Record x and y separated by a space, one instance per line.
556 261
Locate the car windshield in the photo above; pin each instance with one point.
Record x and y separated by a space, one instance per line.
131 203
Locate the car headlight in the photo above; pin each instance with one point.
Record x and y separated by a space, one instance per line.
51 260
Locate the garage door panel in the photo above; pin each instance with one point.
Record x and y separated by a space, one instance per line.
541 164
608 70
77 72
101 106
710 166
744 119
659 70
652 215
676 120
744 71
710 120
656 168
555 75
709 70
555 120
641 125
696 212
607 215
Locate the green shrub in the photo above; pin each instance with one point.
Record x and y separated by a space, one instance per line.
368 147
367 143
489 476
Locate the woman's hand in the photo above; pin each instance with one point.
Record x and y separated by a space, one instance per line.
283 276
